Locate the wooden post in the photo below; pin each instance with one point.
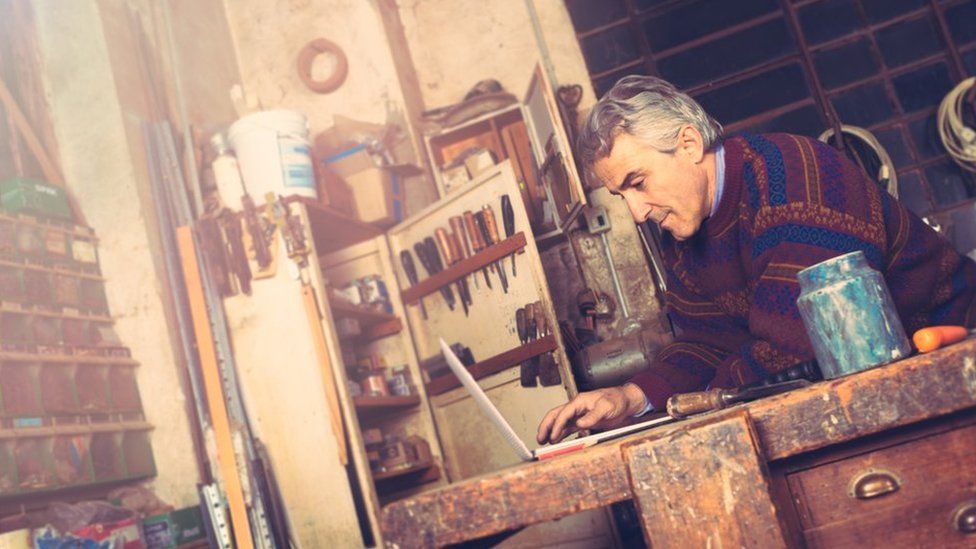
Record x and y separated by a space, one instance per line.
214 390
704 485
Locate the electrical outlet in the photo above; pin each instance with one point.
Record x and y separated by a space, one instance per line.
597 219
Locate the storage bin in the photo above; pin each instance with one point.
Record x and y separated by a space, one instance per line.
71 458
8 468
11 284
92 296
8 239
125 392
37 288
57 389
65 291
137 450
46 331
15 332
84 253
74 332
35 469
19 389
30 242
106 456
91 384
57 246
35 197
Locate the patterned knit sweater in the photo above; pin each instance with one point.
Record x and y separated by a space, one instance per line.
790 202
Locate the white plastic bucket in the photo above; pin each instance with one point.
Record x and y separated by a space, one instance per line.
273 152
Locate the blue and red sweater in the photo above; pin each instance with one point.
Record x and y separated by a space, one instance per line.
790 202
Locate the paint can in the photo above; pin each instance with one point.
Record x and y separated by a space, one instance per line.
273 153
849 316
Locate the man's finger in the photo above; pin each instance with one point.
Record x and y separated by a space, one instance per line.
546 425
576 407
602 410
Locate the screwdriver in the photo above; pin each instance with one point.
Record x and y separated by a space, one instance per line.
686 404
411 271
527 370
457 232
423 255
934 337
444 246
477 243
491 238
456 254
508 221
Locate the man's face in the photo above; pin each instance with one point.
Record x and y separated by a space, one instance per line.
670 189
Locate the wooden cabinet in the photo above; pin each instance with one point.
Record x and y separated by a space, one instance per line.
461 440
915 489
531 136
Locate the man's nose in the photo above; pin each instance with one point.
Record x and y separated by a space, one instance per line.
638 209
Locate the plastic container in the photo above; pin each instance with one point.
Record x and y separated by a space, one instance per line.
106 456
37 288
19 389
35 469
125 392
227 173
849 316
273 154
8 468
91 382
138 454
57 389
72 459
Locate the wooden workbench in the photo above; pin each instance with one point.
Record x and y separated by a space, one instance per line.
718 464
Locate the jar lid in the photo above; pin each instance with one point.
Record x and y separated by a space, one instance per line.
831 270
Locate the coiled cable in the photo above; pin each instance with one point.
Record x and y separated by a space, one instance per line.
958 139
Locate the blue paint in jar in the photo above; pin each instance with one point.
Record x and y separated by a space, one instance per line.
849 316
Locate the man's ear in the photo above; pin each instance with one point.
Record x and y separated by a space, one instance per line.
690 142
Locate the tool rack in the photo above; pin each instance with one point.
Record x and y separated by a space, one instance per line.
70 410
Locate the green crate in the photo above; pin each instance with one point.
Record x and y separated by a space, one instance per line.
174 529
21 194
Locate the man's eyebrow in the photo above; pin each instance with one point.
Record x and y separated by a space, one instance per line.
625 185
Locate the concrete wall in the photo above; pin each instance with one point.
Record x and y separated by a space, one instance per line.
96 102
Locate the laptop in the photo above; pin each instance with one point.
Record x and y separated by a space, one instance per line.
545 452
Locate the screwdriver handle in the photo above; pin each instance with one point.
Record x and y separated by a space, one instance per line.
444 245
508 216
477 242
411 271
686 404
457 227
541 324
934 337
491 224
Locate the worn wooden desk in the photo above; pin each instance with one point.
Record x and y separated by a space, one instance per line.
709 479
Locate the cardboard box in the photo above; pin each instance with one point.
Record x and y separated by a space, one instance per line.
377 192
174 529
479 162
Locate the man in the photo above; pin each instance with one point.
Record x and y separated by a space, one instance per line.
740 217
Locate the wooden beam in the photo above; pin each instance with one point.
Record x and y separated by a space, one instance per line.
216 404
497 363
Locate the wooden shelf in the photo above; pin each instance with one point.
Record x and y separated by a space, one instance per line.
81 429
66 359
386 475
464 267
366 317
63 272
332 229
385 402
68 227
52 314
376 331
495 364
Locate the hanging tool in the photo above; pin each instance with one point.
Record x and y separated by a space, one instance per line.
458 250
435 260
411 271
446 248
527 371
686 404
421 250
935 337
489 230
508 221
464 249
477 242
598 222
259 242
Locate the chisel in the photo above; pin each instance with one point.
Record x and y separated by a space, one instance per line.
411 271
489 230
423 255
508 221
464 250
686 404
477 243
435 257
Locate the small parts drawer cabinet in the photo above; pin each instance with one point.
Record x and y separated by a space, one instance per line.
919 492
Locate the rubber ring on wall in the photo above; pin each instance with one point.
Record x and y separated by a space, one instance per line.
307 56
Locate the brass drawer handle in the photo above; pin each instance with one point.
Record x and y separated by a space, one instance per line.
964 518
874 484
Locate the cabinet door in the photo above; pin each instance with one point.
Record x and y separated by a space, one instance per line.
553 152
470 443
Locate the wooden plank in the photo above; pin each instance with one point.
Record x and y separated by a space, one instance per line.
332 229
513 498
394 401
314 318
704 485
216 404
464 267
830 412
495 364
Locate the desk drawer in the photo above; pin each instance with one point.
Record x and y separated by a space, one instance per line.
890 493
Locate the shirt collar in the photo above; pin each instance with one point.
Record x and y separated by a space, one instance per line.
719 178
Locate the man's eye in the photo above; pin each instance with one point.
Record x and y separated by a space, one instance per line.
639 185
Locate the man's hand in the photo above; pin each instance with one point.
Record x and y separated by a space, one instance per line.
602 408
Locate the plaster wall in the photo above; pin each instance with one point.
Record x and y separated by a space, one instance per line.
96 117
